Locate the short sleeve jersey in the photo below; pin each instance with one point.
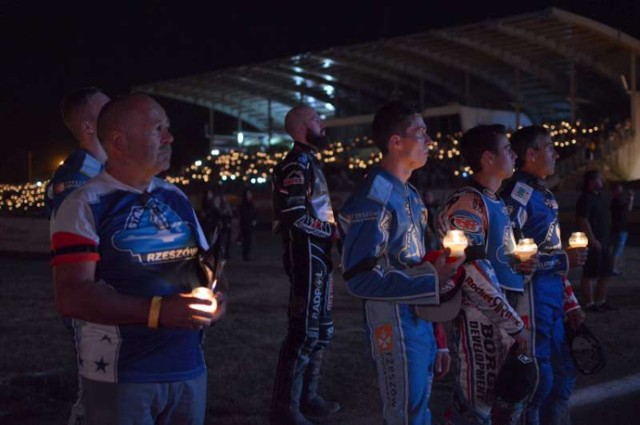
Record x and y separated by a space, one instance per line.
145 244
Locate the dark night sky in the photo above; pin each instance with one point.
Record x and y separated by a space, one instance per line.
49 48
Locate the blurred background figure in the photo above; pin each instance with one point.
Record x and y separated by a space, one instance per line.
430 235
217 212
248 218
593 219
620 206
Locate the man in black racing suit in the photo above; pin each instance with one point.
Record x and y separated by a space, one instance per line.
304 217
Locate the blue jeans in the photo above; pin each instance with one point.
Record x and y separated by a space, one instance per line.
619 240
180 402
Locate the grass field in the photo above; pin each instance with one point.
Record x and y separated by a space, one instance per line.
37 377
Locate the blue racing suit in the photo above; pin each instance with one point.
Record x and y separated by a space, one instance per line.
486 319
534 211
382 226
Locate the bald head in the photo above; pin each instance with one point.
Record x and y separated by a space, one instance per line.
121 113
304 125
135 133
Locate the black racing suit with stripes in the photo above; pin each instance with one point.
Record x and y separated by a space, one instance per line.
304 217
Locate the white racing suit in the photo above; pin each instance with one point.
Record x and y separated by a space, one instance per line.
486 319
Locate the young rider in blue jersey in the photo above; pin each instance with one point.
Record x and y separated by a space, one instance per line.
534 211
382 226
80 110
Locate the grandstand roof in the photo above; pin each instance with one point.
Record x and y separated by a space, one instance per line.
524 61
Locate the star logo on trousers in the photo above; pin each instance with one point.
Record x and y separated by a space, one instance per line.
101 365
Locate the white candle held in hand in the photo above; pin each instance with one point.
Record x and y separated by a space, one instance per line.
526 249
203 293
457 241
578 240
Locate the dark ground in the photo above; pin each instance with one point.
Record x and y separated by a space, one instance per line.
37 378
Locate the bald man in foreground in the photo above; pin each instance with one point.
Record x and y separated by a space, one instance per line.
125 249
304 217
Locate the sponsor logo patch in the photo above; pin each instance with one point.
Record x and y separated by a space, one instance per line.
522 192
294 177
384 338
466 224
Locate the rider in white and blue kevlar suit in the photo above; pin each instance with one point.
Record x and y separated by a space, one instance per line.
382 226
534 210
487 319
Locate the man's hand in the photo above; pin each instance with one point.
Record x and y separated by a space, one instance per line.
176 313
577 256
575 318
521 341
443 364
447 266
528 267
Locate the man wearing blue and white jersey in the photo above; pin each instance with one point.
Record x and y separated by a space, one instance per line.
534 211
80 110
304 218
125 249
487 324
382 226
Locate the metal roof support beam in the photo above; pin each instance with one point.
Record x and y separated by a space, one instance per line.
197 100
218 94
286 97
507 57
345 84
566 52
399 74
453 63
284 84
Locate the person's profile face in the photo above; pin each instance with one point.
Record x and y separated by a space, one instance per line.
504 158
545 157
415 143
150 139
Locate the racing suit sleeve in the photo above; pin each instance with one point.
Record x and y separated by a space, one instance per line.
466 211
369 273
294 183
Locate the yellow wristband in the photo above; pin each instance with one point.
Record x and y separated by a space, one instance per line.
154 312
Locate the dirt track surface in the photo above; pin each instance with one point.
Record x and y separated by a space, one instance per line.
37 377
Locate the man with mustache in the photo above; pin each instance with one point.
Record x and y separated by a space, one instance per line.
125 249
304 217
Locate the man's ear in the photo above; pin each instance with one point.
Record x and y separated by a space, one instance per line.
531 155
486 159
87 128
394 142
118 141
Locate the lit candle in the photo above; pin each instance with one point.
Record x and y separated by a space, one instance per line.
578 240
203 293
457 241
526 249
